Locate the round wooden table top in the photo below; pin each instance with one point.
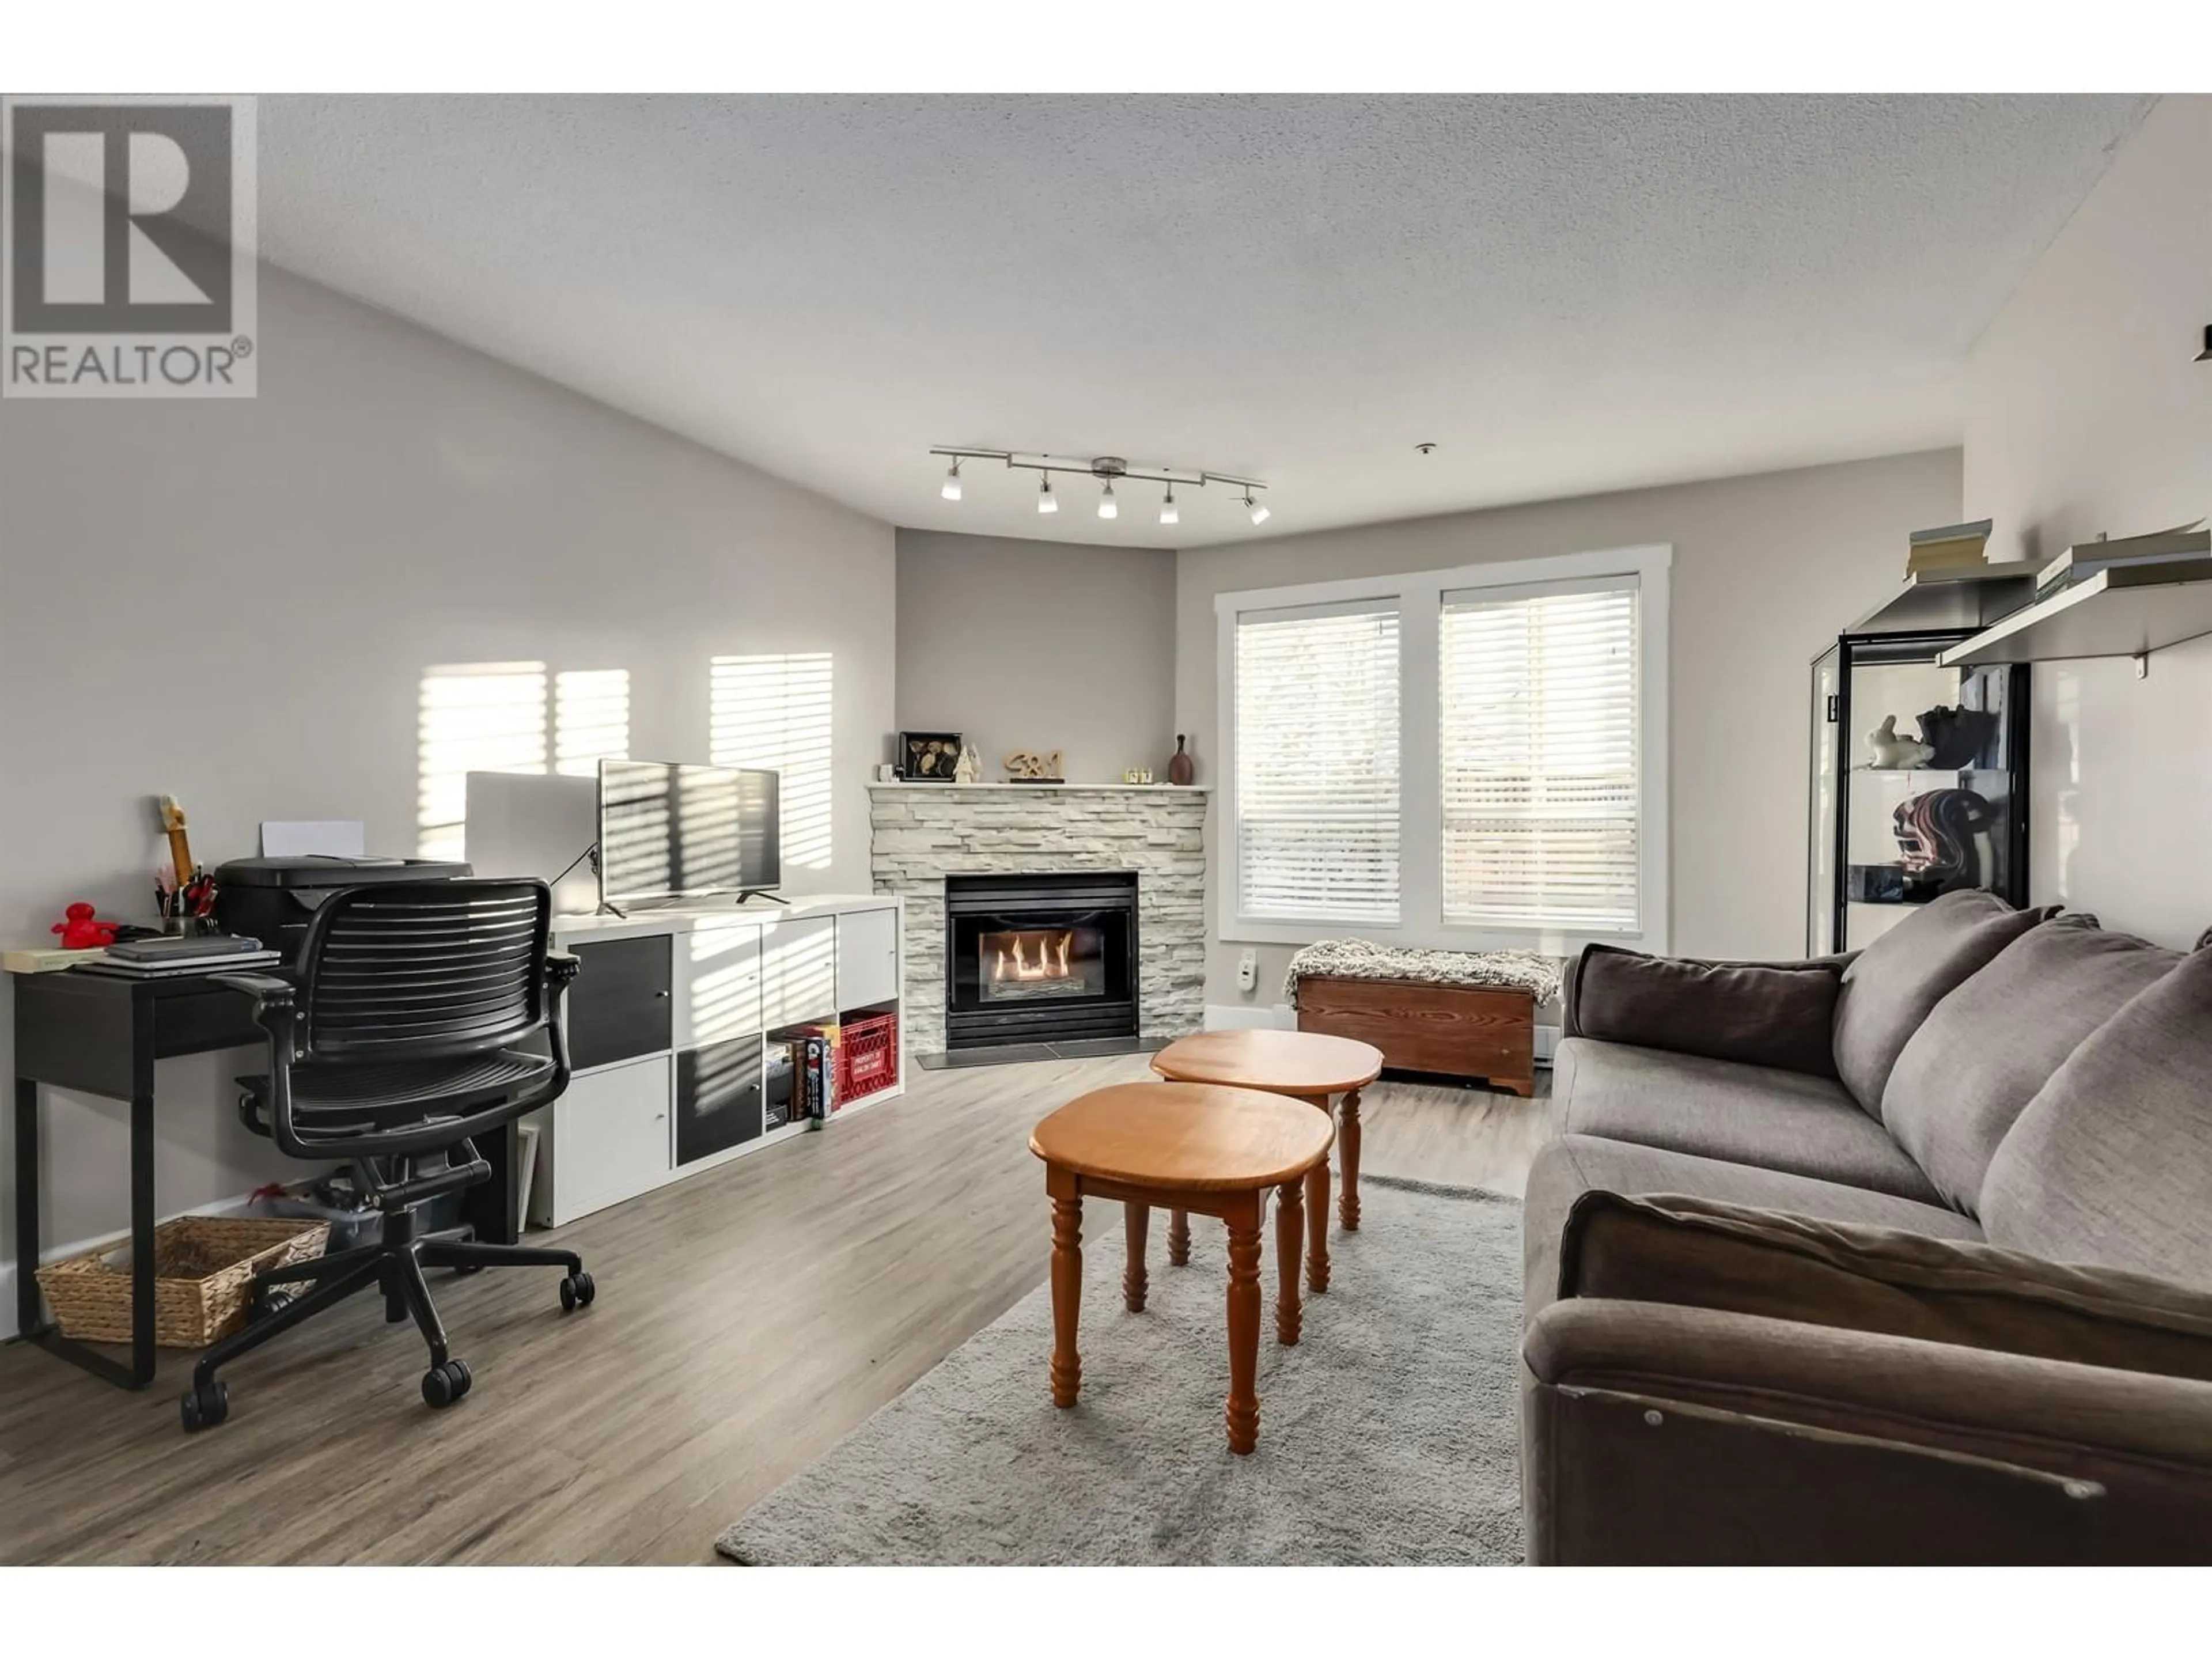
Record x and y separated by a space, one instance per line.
1294 1062
1187 1137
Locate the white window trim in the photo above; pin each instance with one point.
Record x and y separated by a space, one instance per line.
1419 597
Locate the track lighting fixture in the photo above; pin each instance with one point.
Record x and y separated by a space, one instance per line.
1108 469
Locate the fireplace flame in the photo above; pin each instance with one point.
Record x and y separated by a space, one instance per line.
1050 962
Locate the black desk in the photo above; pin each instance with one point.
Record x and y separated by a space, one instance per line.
100 1034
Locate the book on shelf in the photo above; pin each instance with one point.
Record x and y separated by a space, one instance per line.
812 1059
1948 547
2180 545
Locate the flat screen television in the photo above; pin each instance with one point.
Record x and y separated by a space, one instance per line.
668 831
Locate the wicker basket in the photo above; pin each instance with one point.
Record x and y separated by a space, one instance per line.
204 1268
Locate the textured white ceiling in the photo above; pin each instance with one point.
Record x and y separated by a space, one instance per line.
1566 295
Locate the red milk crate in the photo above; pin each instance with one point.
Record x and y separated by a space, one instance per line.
867 1055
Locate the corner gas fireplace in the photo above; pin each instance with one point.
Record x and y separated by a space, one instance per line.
1040 958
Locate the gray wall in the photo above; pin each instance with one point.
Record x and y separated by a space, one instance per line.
235 603
1765 568
1042 646
2086 412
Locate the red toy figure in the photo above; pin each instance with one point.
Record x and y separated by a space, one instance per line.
80 933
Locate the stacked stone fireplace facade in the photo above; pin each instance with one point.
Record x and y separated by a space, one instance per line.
922 833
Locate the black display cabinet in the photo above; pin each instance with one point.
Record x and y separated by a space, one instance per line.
1919 782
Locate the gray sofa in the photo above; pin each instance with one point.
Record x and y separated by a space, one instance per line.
1905 1257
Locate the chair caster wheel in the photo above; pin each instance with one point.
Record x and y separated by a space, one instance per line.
467 1269
204 1405
269 1299
443 1384
576 1292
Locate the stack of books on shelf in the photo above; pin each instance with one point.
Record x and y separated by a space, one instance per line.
1948 548
803 1076
814 1073
2083 560
163 958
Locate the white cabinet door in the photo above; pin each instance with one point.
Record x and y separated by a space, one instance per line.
867 958
717 983
610 1138
798 971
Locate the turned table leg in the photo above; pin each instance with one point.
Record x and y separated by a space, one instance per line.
1067 1295
1317 1208
1178 1238
1135 1219
1243 1412
1290 1248
1347 1139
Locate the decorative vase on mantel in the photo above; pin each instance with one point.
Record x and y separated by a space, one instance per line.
1179 770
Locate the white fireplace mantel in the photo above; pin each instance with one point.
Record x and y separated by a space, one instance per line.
902 784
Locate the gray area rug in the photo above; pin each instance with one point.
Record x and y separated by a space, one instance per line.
1387 1436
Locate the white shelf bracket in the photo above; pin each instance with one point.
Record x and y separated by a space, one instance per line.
2142 660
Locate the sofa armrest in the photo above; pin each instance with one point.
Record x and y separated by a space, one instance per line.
1757 1013
1694 1252
1748 1438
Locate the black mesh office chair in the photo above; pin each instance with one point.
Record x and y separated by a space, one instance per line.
410 1028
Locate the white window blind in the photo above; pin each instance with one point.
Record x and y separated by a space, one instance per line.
1538 745
1316 742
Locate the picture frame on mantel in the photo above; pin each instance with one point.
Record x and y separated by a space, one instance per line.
928 756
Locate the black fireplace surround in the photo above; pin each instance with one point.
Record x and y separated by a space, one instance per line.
1040 958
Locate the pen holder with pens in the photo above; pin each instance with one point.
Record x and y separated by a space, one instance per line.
187 909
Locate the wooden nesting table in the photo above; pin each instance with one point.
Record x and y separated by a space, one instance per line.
1185 1146
1305 1065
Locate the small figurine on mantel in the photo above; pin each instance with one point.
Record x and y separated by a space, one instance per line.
970 767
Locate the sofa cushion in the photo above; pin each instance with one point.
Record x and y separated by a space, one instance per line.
1777 1119
1777 1014
1696 1252
1978 1058
1576 1164
1899 979
2111 1162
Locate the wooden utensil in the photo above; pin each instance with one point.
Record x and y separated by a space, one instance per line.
181 847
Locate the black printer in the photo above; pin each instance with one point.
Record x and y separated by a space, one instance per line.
273 900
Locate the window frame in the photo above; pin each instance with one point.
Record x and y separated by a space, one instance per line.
1309 612
1420 599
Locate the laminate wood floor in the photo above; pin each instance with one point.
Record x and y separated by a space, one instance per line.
746 1320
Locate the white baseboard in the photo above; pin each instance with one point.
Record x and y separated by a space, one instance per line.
1250 1017
1547 1044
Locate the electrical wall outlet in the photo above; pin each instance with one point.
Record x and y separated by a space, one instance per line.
1247 971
